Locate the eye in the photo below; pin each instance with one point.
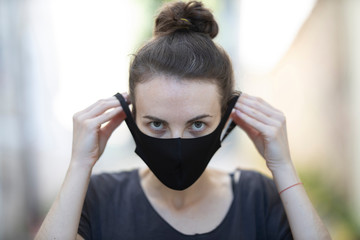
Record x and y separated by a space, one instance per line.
198 126
156 125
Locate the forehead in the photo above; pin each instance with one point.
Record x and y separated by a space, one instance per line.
166 93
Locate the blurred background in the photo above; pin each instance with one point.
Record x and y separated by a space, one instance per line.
59 56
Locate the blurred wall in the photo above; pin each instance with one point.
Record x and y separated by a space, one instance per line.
316 85
350 33
23 95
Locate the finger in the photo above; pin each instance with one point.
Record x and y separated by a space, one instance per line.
266 110
112 99
259 104
258 115
250 131
114 123
95 104
257 125
103 118
126 96
99 108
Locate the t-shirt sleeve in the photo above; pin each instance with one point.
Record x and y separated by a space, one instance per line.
84 228
99 208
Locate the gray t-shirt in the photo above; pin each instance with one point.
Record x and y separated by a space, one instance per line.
116 208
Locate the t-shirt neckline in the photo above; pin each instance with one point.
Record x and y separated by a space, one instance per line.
165 223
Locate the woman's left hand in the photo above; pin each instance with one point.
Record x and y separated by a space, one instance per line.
266 127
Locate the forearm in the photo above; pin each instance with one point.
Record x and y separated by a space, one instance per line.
63 219
304 221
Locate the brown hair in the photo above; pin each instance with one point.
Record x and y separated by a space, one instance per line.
182 47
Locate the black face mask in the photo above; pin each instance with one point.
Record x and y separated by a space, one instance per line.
177 162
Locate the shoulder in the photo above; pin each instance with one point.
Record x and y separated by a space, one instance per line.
255 185
112 177
255 179
107 202
259 202
105 184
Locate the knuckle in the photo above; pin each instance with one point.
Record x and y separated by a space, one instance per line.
282 118
76 117
259 100
103 101
271 132
87 124
277 124
257 105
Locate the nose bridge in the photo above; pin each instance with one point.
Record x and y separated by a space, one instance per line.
177 132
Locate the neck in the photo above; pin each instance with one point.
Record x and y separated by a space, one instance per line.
173 198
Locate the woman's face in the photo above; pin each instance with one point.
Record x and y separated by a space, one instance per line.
170 108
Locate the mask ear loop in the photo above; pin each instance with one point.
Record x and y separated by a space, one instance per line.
229 128
232 124
129 119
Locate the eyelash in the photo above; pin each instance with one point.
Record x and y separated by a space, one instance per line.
151 124
161 129
203 125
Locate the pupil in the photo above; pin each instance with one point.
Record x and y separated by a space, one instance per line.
157 124
198 124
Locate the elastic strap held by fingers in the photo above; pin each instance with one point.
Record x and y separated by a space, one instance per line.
231 105
231 126
123 103
129 119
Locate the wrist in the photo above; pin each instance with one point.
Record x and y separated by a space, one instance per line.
80 166
279 169
285 176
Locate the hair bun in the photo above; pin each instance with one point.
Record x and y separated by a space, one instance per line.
181 16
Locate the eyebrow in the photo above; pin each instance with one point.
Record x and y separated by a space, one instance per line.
189 121
198 118
154 119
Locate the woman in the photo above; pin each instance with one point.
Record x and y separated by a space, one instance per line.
182 95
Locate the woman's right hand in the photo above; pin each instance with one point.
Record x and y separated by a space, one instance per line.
90 131
92 128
